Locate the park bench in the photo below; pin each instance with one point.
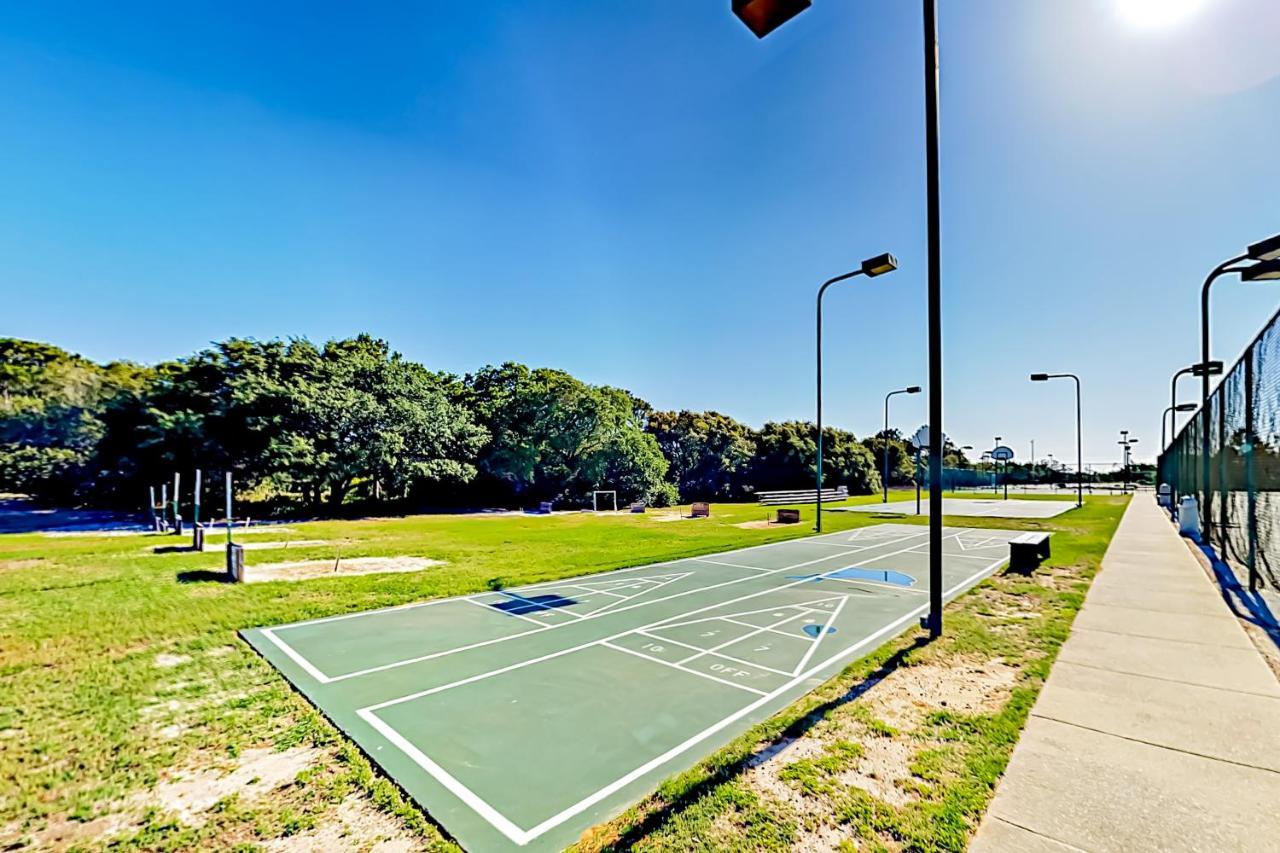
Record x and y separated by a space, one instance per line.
1027 550
788 516
638 506
700 510
801 496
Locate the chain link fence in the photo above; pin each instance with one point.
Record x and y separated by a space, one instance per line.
1228 456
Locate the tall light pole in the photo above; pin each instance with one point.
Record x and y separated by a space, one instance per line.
871 267
1126 443
995 476
910 389
1266 255
763 17
1045 377
1168 417
1212 368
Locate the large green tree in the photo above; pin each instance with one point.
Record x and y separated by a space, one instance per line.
709 453
324 420
52 406
786 456
556 437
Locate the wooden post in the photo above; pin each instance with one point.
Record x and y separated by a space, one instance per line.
195 514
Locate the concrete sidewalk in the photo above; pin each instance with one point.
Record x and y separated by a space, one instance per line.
1159 726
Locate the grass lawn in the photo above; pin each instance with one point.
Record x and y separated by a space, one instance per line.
132 716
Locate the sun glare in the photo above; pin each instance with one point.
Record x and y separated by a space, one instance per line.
1157 14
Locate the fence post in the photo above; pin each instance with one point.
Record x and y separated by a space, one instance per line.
1250 486
1224 521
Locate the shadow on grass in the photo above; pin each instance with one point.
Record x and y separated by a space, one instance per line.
653 820
203 576
1245 603
174 549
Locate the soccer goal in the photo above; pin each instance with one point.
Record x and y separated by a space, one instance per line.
599 499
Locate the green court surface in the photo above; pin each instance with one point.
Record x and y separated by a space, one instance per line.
520 718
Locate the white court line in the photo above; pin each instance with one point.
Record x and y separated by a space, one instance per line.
962 556
269 633
661 622
746 636
522 837
610 572
730 565
708 675
612 607
645 603
823 633
890 587
693 648
771 630
805 606
490 609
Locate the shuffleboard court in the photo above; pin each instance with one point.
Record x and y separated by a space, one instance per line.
970 506
520 718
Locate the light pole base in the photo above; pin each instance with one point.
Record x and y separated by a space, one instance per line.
931 624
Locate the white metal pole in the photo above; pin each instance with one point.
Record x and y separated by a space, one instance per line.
228 507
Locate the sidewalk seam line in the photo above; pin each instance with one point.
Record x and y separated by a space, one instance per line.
1216 599
1156 745
1038 834
1248 648
1170 680
1226 616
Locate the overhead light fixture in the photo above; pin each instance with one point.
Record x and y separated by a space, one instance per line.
1262 271
1208 368
879 265
1266 250
764 16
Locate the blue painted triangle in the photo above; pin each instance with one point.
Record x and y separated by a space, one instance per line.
816 630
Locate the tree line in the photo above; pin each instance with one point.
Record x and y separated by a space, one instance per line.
351 425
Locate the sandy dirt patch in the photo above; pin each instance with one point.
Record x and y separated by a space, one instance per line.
19 565
167 661
902 700
344 567
764 524
188 795
884 762
354 825
62 832
283 543
908 693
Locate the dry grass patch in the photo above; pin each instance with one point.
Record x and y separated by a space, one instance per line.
338 567
968 685
19 565
189 794
354 825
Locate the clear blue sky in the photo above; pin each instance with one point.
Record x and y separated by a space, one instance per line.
644 195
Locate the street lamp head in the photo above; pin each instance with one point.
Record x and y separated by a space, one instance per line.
913 389
1185 407
1262 271
1039 377
1207 368
880 264
1267 250
764 16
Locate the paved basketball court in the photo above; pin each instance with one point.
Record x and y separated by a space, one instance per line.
521 717
970 506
